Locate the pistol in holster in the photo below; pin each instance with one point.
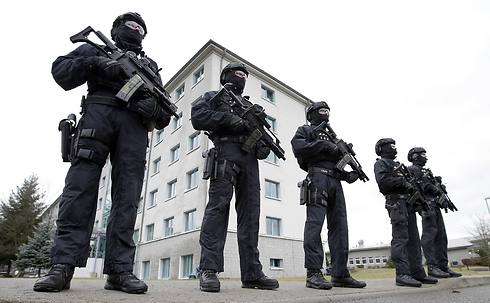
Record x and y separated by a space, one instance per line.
304 192
211 163
67 128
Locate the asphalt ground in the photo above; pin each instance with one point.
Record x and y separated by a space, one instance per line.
92 290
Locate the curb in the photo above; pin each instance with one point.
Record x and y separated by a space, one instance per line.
444 284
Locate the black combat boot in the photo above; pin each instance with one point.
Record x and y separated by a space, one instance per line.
348 282
263 282
406 280
57 279
315 279
209 281
452 274
426 280
437 273
127 282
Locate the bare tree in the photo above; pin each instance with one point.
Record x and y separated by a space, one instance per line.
481 234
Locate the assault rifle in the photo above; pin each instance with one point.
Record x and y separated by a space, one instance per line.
417 198
258 125
348 154
137 69
443 201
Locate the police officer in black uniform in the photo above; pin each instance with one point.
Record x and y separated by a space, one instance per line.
235 168
434 238
318 156
405 245
107 127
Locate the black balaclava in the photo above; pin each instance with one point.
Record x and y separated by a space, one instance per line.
386 148
417 156
388 151
238 82
318 112
128 39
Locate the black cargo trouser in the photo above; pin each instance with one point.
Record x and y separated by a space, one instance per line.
434 238
102 130
245 180
405 244
331 192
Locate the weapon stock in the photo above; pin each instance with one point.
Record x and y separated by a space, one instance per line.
417 198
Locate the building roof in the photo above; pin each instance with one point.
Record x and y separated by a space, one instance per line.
212 46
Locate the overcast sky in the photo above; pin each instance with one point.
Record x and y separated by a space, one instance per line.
417 71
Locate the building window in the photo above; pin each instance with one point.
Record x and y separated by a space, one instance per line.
273 226
358 261
272 122
156 165
165 268
271 189
364 260
194 141
190 220
272 158
378 260
351 261
186 266
136 235
153 198
267 94
175 153
168 225
149 231
371 260
385 259
146 270
99 203
158 136
192 177
198 75
176 122
140 205
180 92
171 189
102 182
276 263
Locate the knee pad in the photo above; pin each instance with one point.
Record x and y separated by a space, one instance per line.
91 147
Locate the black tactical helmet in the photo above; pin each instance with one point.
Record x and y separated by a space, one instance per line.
382 142
132 16
413 151
232 66
315 106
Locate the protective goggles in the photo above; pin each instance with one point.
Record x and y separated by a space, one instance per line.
323 111
240 74
135 26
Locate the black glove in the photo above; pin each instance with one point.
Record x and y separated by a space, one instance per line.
237 124
148 108
162 121
106 68
331 148
262 151
409 187
350 177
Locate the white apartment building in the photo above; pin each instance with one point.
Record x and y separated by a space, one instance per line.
174 195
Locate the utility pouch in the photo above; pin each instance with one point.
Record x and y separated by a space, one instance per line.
304 196
67 128
249 145
210 165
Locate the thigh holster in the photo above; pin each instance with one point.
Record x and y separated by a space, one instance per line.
311 194
91 147
225 169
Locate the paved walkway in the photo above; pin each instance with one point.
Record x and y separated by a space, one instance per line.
92 290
